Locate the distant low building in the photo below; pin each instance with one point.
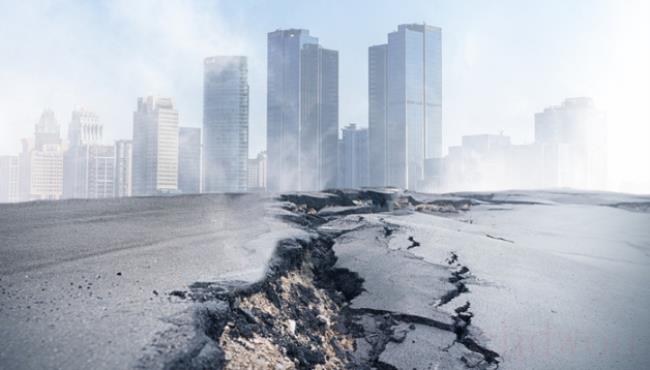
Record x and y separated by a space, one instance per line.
478 164
573 139
257 168
354 157
123 168
189 160
569 151
9 175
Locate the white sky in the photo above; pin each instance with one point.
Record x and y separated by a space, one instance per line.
503 60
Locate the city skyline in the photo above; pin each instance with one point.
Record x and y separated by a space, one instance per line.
514 117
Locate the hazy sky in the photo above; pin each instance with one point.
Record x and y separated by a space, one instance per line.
502 61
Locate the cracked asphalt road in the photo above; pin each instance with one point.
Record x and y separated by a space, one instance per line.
84 284
552 279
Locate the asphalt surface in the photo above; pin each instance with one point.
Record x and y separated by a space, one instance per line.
86 283
533 280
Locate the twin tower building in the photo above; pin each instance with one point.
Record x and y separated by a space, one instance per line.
405 116
303 149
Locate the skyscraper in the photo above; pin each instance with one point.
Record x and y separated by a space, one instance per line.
88 167
41 161
189 160
405 105
155 147
85 128
47 131
225 124
302 112
123 168
354 154
377 93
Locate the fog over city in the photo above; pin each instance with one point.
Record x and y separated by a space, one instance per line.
502 62
324 184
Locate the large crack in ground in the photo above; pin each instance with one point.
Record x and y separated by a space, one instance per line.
300 315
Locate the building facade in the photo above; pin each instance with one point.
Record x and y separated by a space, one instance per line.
41 161
225 124
155 147
89 166
354 153
257 173
573 140
189 160
302 112
9 175
85 128
123 168
405 105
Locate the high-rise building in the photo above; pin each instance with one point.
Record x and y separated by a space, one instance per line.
405 105
123 168
573 141
47 131
302 112
189 160
257 173
41 161
101 171
225 124
377 92
155 147
9 175
85 128
89 166
354 152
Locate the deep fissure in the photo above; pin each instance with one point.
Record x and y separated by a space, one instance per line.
314 322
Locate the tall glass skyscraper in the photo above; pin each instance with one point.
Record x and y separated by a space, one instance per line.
405 105
302 112
225 124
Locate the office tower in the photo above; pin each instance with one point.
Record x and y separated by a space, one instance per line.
85 128
405 105
155 147
189 160
123 168
88 167
354 154
9 172
302 112
377 73
573 141
101 171
225 124
41 161
47 131
257 173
